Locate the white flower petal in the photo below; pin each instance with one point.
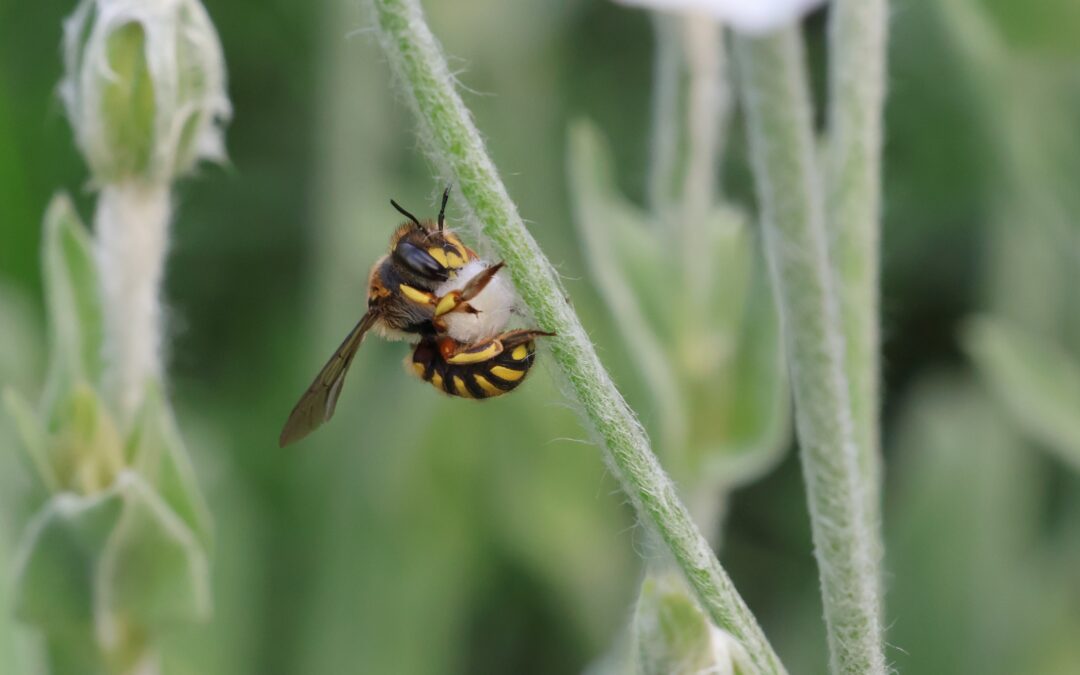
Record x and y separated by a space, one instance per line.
748 16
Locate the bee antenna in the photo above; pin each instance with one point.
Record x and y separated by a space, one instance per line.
442 209
406 214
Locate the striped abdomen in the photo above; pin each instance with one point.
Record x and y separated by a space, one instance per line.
481 370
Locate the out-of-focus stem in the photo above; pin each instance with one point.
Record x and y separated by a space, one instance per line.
665 138
690 111
776 97
131 238
690 105
857 45
455 144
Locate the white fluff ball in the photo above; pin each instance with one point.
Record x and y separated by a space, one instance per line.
494 304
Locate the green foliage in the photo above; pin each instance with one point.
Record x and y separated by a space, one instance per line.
153 571
61 548
718 380
118 548
72 300
424 536
953 441
1037 27
156 451
101 565
1036 381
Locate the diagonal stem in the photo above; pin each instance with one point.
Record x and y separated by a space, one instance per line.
455 144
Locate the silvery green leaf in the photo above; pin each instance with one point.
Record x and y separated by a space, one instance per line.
736 384
630 262
57 556
1037 381
760 409
728 277
632 271
19 653
717 377
153 571
156 450
31 433
675 637
71 295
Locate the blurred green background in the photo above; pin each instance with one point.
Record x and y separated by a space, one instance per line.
418 534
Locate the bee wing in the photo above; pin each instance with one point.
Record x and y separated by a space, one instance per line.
318 402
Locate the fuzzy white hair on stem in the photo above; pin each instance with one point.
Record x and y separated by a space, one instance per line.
131 223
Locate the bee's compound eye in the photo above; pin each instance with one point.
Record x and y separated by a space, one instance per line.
419 261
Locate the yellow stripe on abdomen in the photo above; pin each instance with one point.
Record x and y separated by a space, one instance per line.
461 389
508 374
488 352
488 387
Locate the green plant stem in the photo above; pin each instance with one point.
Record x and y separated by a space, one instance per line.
456 146
777 102
690 110
857 44
131 241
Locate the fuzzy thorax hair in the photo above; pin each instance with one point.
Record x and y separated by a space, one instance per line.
494 305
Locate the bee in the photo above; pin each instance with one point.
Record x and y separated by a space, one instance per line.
433 289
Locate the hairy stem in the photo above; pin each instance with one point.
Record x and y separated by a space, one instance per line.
131 237
456 146
857 44
777 101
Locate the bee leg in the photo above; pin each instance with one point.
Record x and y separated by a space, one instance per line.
458 301
513 338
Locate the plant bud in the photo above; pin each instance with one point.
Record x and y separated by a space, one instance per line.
675 637
144 87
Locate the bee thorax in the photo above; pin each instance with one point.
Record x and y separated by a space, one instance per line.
493 305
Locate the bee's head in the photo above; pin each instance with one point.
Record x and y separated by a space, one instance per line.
426 253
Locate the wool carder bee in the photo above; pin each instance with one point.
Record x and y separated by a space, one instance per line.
433 289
